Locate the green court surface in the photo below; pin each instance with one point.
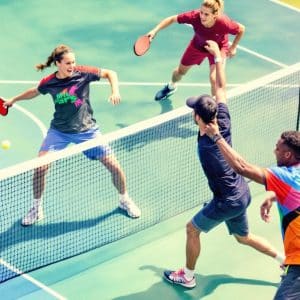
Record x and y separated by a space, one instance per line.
102 33
131 268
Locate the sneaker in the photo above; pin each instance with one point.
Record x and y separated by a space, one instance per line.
178 277
165 93
132 210
35 214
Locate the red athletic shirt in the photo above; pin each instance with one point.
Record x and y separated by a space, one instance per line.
218 32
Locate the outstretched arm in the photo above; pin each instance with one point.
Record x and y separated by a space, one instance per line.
213 48
112 77
234 159
163 24
27 95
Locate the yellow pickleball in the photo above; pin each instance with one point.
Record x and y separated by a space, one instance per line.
5 145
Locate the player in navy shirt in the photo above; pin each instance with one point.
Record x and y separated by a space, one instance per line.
231 195
73 122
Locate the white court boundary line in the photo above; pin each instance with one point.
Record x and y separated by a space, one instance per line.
285 5
32 280
31 116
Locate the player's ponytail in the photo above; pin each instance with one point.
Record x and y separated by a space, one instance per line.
56 55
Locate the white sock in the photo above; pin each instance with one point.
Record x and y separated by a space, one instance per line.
189 274
171 85
37 202
124 197
280 258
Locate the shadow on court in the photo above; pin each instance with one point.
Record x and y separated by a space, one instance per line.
19 234
206 285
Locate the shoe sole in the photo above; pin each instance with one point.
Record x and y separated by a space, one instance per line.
38 220
177 283
131 216
165 97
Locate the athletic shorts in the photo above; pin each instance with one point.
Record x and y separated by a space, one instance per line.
217 211
289 288
57 140
193 56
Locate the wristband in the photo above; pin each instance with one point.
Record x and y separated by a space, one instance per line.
218 59
216 137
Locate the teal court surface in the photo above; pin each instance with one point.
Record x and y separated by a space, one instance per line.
131 266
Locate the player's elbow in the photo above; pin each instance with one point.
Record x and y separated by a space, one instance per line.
242 29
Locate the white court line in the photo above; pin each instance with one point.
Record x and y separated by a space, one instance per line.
37 121
124 83
263 57
285 5
32 280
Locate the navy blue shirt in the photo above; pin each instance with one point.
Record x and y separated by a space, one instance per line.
223 181
73 111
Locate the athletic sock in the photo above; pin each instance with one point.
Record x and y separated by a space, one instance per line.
37 202
171 85
189 274
124 197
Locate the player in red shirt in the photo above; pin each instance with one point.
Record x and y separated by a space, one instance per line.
209 23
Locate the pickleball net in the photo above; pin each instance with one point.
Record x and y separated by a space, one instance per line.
163 173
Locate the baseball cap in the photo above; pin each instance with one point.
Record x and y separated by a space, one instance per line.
205 106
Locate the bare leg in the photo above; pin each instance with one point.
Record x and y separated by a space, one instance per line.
39 178
258 243
179 72
119 181
39 181
193 246
118 176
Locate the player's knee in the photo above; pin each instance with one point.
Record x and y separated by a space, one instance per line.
244 240
191 230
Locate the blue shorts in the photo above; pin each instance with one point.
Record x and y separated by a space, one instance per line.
289 288
57 140
217 211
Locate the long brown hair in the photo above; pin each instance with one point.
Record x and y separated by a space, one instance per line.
56 55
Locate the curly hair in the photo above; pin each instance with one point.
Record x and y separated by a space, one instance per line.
291 138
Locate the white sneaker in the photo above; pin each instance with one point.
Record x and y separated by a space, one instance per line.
132 210
35 214
178 277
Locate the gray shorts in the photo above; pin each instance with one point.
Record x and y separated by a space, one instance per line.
217 211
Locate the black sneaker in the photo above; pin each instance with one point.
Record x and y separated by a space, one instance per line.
164 93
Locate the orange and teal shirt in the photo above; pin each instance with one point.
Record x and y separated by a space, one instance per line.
285 182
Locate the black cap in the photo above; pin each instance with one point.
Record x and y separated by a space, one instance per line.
204 106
